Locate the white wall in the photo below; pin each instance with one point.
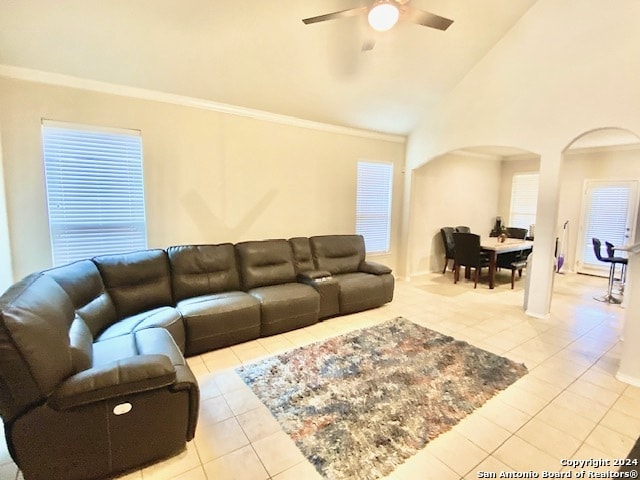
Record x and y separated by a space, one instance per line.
210 177
567 67
451 190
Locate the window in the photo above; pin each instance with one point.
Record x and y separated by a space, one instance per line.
524 200
373 205
609 213
95 191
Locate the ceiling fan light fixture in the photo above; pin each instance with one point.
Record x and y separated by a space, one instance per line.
383 16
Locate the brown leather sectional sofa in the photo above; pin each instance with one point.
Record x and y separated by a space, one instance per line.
93 378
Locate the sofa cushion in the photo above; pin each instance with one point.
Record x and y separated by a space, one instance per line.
286 307
302 257
82 282
151 341
166 317
136 282
202 269
360 291
264 263
219 320
35 321
81 342
338 253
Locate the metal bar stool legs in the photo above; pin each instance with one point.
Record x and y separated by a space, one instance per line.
609 297
623 277
615 261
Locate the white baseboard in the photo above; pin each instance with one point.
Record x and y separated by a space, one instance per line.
628 379
545 316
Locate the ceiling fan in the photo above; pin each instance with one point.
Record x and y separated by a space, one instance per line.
382 15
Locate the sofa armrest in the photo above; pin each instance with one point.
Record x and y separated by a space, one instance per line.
311 275
186 381
122 377
374 268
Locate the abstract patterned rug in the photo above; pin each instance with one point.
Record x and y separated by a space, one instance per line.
360 404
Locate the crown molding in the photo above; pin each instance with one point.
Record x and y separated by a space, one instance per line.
57 79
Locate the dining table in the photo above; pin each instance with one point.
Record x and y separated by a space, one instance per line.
494 246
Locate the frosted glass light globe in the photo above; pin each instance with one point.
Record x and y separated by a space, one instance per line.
383 16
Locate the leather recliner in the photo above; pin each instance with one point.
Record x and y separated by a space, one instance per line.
268 274
362 284
93 379
75 409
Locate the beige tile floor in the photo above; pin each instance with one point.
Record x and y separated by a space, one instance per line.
570 406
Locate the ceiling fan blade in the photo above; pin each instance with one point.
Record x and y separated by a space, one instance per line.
352 12
426 18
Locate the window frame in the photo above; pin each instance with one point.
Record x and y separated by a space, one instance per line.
532 203
377 233
94 185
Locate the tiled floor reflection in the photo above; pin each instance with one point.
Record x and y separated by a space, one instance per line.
569 406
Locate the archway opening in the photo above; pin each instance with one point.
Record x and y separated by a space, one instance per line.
599 195
470 186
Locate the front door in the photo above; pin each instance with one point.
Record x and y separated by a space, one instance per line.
609 213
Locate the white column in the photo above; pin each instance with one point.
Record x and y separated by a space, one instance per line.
6 268
629 370
542 266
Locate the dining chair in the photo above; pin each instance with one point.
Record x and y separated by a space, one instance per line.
608 297
468 254
463 229
449 247
514 261
515 232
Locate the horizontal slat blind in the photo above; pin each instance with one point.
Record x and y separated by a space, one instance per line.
95 191
608 211
524 200
373 206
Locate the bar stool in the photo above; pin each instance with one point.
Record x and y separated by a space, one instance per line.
608 297
617 261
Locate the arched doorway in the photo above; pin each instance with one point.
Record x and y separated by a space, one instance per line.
469 186
599 194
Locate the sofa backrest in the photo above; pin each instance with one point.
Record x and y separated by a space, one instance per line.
338 253
136 281
36 314
82 282
203 269
301 250
264 263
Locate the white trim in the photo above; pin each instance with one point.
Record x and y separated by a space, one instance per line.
6 274
470 153
50 78
628 379
90 128
544 316
602 149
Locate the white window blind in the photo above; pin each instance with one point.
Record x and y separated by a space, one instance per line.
95 191
608 211
373 205
524 200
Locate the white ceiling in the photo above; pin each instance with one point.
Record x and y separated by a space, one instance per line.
258 54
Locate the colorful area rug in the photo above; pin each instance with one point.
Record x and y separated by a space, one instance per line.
360 404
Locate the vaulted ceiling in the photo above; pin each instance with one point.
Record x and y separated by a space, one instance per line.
258 54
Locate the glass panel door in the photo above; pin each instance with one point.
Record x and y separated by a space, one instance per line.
609 213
